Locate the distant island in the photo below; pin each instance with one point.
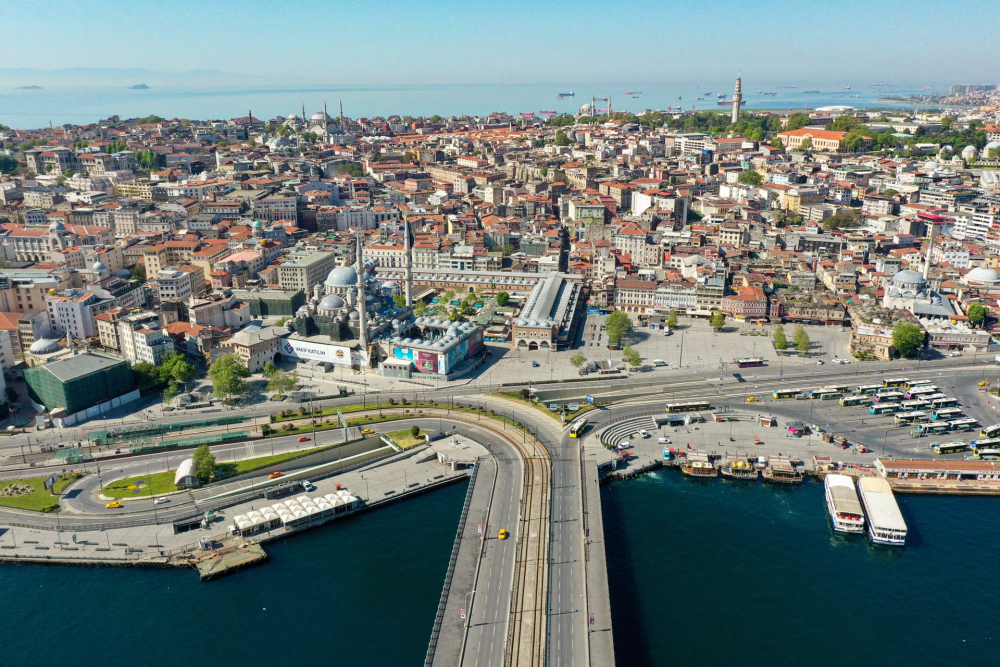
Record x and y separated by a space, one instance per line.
29 87
139 86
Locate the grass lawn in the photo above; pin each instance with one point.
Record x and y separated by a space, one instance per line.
347 409
39 499
404 438
139 486
570 416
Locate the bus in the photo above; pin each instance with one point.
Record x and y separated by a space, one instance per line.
944 402
748 363
918 383
987 454
577 429
933 397
688 407
921 391
839 388
824 394
932 429
867 388
888 397
909 406
946 413
786 393
986 443
949 448
903 418
884 408
990 431
847 401
895 382
966 424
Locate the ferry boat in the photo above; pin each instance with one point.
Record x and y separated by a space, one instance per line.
698 465
569 94
842 502
739 469
782 472
884 520
810 91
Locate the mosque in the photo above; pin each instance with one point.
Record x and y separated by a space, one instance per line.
353 320
908 290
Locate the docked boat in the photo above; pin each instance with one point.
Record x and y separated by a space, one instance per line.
698 465
739 469
842 502
782 472
882 516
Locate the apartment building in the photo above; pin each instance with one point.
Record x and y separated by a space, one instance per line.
303 272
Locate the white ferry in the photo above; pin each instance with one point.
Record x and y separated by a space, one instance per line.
885 521
843 504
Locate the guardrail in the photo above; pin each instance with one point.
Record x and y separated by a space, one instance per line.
450 574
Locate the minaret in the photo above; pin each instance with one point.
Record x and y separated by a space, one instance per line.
341 114
362 320
737 98
304 119
408 251
930 249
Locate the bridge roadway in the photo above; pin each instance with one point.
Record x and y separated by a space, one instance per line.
566 642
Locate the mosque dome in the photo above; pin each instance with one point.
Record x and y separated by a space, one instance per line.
257 224
57 227
124 273
907 278
982 274
98 266
342 276
319 116
44 346
587 109
969 152
354 316
331 302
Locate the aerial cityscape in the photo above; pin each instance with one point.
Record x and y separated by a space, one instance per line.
405 367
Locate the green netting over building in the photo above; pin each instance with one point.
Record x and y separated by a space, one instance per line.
79 382
271 302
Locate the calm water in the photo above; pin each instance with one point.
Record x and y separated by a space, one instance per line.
36 108
722 574
361 591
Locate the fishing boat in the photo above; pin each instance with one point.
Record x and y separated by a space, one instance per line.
569 94
633 92
706 92
770 94
698 465
810 91
782 472
739 469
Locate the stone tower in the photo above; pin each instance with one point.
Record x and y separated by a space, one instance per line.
737 98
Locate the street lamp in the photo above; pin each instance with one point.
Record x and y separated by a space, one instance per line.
468 605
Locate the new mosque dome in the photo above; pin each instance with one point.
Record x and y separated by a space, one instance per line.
342 276
982 274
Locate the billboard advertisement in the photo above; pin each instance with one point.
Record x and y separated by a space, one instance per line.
309 351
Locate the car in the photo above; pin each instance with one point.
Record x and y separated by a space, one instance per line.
276 474
303 438
624 445
802 397
643 433
751 399
820 362
367 431
535 364
841 330
161 501
113 505
503 534
308 486
663 441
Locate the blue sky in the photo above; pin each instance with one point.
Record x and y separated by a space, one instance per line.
918 41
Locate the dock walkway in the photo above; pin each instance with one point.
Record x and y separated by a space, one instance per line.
600 637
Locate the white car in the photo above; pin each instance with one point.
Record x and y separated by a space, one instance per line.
663 441
841 330
307 485
819 362
841 361
624 445
161 501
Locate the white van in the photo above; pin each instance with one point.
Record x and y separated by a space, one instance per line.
624 445
643 433
663 441
659 362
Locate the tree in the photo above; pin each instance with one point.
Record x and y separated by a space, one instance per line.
843 219
270 369
139 273
561 139
503 298
751 177
797 121
776 143
907 338
228 374
146 377
525 394
420 308
717 319
350 170
890 192
618 324
977 313
414 431
399 300
631 356
175 369
577 360
281 382
801 338
806 144
8 165
780 341
204 464
672 319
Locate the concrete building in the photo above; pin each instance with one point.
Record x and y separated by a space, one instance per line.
257 346
80 387
302 273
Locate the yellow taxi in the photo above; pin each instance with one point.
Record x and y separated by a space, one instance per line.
751 399
113 505
503 534
983 383
367 431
